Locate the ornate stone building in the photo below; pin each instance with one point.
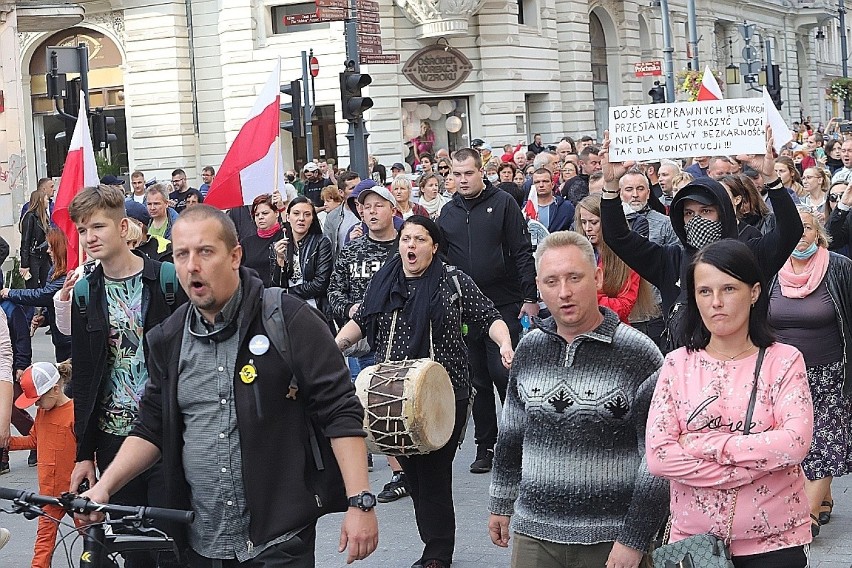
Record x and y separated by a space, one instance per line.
180 75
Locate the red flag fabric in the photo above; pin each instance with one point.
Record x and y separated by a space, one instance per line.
253 164
709 89
79 171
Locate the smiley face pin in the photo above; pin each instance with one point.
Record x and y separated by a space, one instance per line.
248 374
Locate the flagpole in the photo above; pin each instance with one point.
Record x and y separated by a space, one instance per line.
278 139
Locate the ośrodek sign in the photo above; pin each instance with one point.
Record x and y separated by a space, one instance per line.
437 68
705 128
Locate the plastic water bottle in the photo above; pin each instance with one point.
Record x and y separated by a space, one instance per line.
525 324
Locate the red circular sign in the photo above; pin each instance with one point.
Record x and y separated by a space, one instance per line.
314 66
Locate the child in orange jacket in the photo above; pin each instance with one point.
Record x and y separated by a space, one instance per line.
53 436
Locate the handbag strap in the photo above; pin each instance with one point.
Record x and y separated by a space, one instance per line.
393 332
746 430
753 398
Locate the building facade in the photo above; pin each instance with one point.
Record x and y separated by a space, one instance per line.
180 76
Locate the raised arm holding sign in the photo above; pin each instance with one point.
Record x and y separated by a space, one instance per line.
704 128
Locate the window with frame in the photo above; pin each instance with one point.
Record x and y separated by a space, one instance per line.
301 17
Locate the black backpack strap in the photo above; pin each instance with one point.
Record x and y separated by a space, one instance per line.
273 323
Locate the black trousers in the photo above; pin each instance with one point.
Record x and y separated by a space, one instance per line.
297 552
430 481
486 372
39 267
794 557
144 490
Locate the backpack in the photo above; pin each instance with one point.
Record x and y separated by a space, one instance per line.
168 284
331 495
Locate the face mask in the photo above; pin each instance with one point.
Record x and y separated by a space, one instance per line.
804 254
291 178
701 232
493 178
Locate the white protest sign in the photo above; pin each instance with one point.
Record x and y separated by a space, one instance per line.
725 127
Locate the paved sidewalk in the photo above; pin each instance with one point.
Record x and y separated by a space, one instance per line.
399 544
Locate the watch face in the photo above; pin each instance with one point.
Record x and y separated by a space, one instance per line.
368 500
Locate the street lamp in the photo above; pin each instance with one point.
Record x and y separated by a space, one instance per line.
732 72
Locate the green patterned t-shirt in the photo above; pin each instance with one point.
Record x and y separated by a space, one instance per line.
122 390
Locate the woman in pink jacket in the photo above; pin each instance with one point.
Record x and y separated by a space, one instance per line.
695 435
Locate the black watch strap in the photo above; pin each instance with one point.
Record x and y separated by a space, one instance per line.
364 501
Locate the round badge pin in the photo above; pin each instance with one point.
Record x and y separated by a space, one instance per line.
259 344
248 374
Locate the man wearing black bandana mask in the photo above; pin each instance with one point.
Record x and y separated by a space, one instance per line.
701 213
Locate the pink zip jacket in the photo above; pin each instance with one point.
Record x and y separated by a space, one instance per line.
694 439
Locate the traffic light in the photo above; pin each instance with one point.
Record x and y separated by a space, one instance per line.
101 126
295 125
658 94
70 108
353 103
774 87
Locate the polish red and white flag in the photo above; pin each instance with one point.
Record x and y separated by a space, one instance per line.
709 89
253 164
79 171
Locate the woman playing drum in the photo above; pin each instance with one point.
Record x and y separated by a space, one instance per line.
417 306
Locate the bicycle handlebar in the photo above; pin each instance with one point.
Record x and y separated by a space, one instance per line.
75 504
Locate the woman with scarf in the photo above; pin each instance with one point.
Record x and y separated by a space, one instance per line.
431 304
430 195
259 252
810 308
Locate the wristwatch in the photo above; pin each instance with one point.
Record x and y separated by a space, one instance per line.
364 501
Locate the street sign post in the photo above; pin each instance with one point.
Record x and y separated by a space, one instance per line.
389 58
332 14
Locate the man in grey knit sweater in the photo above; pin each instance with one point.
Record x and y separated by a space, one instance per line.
570 458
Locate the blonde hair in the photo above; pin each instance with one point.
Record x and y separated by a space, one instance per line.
823 238
615 271
680 180
562 239
822 176
134 233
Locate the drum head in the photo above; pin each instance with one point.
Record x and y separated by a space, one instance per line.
432 405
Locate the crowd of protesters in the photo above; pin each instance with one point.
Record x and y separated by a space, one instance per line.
628 315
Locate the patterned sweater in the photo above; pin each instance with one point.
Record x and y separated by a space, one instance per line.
355 266
570 457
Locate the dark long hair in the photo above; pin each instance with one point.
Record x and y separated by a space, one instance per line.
734 259
314 229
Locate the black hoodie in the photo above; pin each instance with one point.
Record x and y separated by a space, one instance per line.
665 266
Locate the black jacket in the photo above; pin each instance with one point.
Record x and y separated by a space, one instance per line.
838 282
32 237
839 227
316 262
665 266
90 337
278 468
487 239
